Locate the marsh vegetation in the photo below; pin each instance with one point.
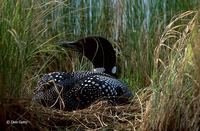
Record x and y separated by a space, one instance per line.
158 50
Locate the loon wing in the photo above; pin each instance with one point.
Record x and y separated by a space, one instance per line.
80 89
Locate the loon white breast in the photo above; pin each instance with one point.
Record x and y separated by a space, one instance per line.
78 90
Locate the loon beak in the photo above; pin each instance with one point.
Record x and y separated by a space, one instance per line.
68 44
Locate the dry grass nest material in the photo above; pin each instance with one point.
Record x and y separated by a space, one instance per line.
98 116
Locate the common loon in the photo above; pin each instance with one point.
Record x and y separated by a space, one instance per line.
98 50
78 90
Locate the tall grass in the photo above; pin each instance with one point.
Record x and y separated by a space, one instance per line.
24 41
16 45
175 82
133 27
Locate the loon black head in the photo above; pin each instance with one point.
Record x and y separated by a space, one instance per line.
98 50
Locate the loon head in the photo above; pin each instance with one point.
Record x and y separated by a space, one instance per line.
98 50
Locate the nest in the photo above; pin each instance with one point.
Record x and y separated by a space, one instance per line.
98 116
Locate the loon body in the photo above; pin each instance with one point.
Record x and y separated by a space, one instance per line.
78 90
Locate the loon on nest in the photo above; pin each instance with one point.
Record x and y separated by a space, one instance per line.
78 90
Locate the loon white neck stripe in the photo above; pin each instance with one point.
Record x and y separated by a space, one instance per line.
101 69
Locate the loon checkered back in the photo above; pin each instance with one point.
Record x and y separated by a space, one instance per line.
78 90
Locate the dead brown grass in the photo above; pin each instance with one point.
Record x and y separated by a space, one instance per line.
96 117
99 116
174 106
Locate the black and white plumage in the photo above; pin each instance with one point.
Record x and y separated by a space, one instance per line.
71 91
78 90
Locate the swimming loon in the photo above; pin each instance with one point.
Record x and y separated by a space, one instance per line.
78 90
